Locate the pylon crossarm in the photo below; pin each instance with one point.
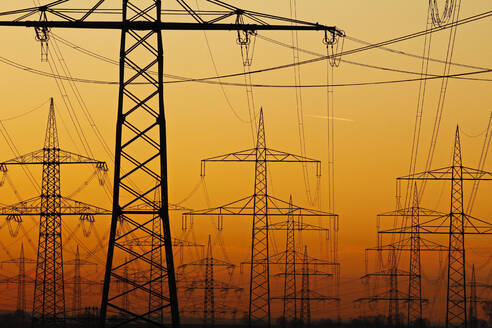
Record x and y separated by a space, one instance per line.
242 206
147 241
407 212
245 206
299 226
272 156
228 18
157 205
446 173
386 274
404 245
212 261
69 206
217 285
310 272
66 157
440 225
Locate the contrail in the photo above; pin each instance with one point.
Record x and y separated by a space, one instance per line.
331 118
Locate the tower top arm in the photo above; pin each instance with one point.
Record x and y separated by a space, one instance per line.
272 156
69 206
66 157
445 173
221 16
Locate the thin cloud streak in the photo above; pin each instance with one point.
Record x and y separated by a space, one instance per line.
331 118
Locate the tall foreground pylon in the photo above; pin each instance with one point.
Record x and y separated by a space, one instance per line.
49 289
456 224
261 207
140 147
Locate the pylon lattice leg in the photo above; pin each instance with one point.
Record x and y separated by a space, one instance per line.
259 302
140 170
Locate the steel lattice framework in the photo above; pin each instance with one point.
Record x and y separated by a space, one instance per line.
49 290
291 260
21 279
414 244
210 285
140 152
261 206
456 225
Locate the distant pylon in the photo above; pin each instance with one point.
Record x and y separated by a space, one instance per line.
456 225
77 282
473 300
415 274
290 288
77 288
21 279
261 206
259 283
21 287
209 297
209 285
49 288
305 293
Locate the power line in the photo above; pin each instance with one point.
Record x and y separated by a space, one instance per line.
309 61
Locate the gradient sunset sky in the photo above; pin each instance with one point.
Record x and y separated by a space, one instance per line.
374 124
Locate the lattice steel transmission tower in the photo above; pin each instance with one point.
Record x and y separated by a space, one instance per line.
210 285
291 259
77 282
140 152
414 245
49 290
261 206
456 224
21 279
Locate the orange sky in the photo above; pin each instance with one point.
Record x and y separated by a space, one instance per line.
373 135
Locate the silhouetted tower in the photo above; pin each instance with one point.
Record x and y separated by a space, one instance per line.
458 225
415 273
77 288
414 244
140 152
259 285
209 298
209 284
305 292
21 279
290 259
473 300
49 291
21 285
290 289
77 282
261 206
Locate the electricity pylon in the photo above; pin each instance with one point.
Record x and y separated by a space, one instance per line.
261 206
141 151
21 279
414 244
291 259
49 290
157 281
475 299
77 262
209 284
456 224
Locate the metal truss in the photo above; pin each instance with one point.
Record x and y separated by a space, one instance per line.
140 153
456 224
261 206
49 290
208 284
